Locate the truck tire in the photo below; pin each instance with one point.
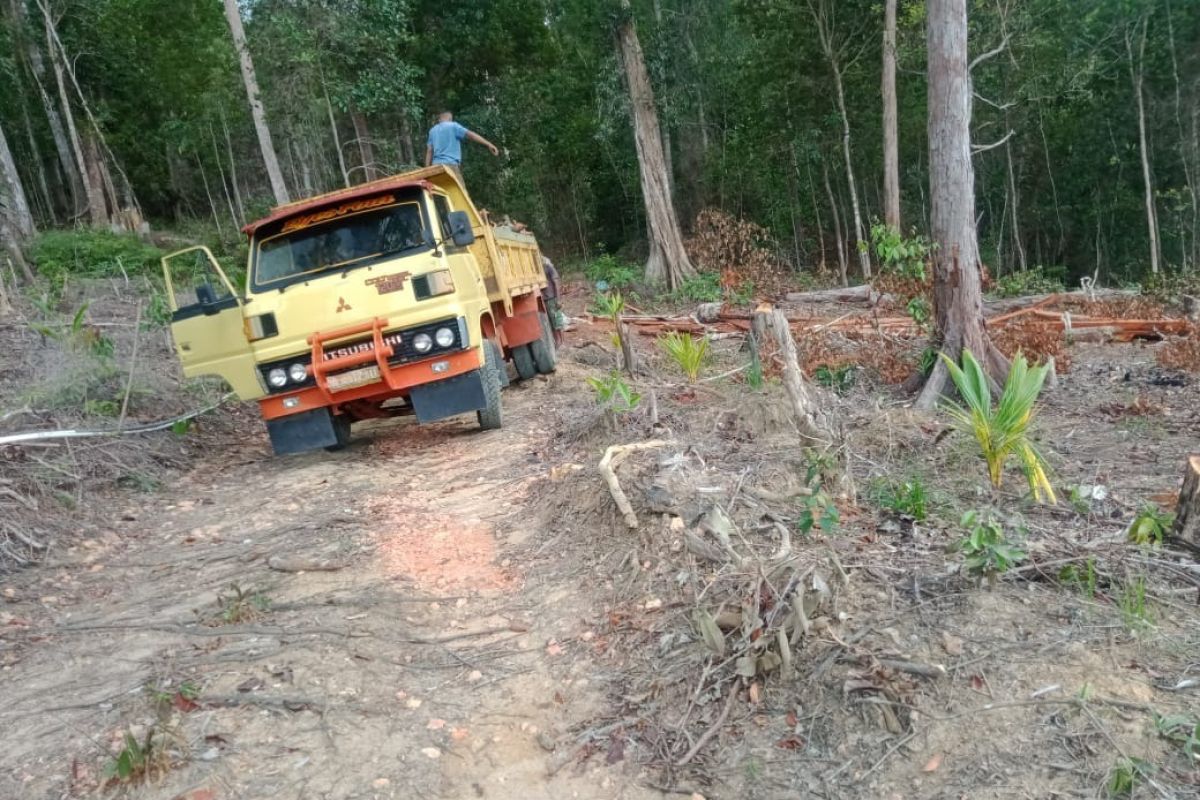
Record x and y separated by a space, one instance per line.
341 430
544 355
522 359
491 417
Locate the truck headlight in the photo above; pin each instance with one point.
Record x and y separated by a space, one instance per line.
422 343
277 377
444 337
298 373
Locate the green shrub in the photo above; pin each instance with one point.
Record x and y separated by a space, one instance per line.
703 287
613 394
986 551
1039 280
899 255
612 273
839 379
689 353
908 498
60 255
1150 526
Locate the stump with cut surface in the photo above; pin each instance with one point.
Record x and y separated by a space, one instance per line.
1187 513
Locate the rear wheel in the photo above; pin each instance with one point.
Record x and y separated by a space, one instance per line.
544 355
522 359
341 430
491 417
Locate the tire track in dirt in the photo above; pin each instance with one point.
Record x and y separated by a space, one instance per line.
431 665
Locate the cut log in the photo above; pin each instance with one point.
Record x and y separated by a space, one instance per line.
1187 513
853 294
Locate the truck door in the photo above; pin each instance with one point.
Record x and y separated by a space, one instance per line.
207 322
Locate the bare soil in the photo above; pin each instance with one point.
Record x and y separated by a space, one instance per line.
477 620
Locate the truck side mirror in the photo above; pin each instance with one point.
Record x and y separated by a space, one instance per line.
461 232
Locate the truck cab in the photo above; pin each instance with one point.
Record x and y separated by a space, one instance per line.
393 297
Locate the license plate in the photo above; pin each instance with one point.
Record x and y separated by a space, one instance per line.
355 377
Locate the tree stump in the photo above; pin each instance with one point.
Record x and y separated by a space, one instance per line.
1187 513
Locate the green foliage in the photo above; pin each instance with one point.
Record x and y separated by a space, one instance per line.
689 353
1135 612
919 309
1002 431
839 379
610 273
987 553
134 760
905 257
85 253
909 498
1169 286
1150 526
703 287
1181 729
1039 280
610 305
613 394
1082 579
818 510
1126 775
241 605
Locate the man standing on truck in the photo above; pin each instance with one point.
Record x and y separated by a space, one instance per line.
445 143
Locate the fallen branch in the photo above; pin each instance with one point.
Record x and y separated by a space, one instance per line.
613 456
712 731
75 433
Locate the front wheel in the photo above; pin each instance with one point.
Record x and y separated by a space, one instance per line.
491 416
544 355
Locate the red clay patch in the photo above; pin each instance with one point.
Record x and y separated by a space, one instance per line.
439 553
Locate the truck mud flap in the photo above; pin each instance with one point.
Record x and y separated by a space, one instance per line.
298 433
448 398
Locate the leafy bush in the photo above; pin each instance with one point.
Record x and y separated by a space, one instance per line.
612 273
704 287
904 257
688 352
614 394
1002 431
92 254
1039 280
909 498
609 305
839 379
1150 526
986 551
1169 286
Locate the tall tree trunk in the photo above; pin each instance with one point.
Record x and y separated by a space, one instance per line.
39 167
668 261
270 159
13 203
1136 75
212 204
957 293
337 140
1018 245
62 147
820 13
92 190
837 226
891 136
366 151
1185 154
233 217
98 180
233 176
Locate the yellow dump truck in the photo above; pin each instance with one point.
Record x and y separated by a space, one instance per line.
392 297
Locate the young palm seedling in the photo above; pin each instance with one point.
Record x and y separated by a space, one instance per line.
1002 430
688 352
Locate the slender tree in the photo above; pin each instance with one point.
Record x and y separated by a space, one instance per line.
668 261
891 136
270 159
1137 68
957 291
13 202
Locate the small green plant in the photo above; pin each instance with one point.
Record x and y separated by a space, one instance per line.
1126 775
607 271
754 373
1135 613
241 605
1039 280
689 353
1002 431
1150 526
918 308
910 499
1082 579
1183 729
818 510
704 287
610 305
900 255
135 759
614 394
839 379
986 551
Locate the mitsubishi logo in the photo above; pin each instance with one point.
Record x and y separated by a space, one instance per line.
342 305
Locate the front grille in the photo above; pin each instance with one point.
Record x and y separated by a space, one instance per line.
402 350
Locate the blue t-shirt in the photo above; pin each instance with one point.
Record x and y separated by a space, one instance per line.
445 139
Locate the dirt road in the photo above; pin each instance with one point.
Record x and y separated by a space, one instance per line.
445 654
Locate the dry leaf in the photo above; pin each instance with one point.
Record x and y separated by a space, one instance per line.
755 693
952 644
932 764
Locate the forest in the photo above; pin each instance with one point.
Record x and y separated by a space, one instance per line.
1086 120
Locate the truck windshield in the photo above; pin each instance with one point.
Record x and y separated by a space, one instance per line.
306 246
